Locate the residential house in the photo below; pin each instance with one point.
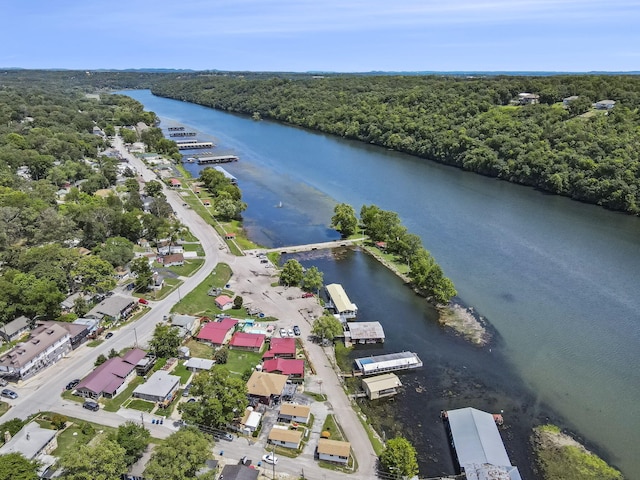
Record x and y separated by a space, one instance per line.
157 281
121 274
526 98
175 183
224 302
34 443
266 387
292 368
110 378
239 472
217 333
91 324
195 364
15 328
173 260
187 324
293 412
78 332
281 348
114 308
364 332
68 304
161 388
247 341
250 421
334 450
605 104
45 346
283 437
169 249
381 386
568 100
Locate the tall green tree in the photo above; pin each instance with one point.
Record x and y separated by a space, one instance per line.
399 458
14 466
104 460
313 279
118 251
327 327
94 274
220 398
134 439
292 273
344 220
142 272
180 456
165 341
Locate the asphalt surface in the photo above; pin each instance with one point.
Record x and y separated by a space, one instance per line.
251 279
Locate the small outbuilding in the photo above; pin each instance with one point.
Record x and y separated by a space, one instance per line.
224 302
381 386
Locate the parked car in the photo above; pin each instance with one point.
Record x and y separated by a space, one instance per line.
307 295
185 392
91 405
191 400
296 330
108 335
290 333
9 394
283 333
143 301
270 458
264 260
224 436
72 384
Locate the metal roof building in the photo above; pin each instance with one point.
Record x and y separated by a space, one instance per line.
380 386
340 301
365 332
478 445
387 363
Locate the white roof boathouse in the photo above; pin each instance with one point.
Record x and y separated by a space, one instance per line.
339 301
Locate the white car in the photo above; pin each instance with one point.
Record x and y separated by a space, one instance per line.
290 332
270 458
283 333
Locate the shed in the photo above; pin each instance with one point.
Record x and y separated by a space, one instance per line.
224 302
381 386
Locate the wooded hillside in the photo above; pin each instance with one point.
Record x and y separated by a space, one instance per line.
473 123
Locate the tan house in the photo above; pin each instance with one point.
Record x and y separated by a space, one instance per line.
283 437
334 450
292 412
381 386
265 387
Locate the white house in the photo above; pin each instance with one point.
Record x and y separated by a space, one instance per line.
195 364
292 412
161 388
605 104
283 437
334 450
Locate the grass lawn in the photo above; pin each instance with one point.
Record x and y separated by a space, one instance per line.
114 404
199 349
182 372
243 242
194 247
142 405
189 267
67 395
198 301
94 343
318 397
240 361
166 412
67 439
170 284
330 425
4 407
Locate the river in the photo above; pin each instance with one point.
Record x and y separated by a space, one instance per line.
556 279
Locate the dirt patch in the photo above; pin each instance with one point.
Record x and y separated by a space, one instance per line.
546 438
465 322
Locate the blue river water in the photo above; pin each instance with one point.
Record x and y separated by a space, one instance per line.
556 279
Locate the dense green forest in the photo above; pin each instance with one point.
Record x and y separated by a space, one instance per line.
52 163
472 123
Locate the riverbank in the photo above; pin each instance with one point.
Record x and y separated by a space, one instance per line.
462 320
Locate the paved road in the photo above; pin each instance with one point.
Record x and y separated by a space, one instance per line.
252 280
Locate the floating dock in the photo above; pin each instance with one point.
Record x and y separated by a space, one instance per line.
183 134
216 159
175 129
227 175
193 144
387 363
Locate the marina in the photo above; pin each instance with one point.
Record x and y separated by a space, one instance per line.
390 362
216 159
192 144
182 134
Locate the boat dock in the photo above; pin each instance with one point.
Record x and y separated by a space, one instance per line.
183 134
387 363
175 129
192 145
227 175
216 159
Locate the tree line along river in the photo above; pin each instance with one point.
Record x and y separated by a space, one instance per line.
556 279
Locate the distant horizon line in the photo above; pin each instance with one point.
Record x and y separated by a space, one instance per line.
335 72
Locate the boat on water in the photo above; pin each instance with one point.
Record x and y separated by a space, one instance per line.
279 205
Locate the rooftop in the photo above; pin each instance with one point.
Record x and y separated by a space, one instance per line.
339 298
334 447
364 330
112 306
281 346
247 340
285 435
382 382
29 441
215 332
39 340
200 363
160 384
287 366
262 384
295 410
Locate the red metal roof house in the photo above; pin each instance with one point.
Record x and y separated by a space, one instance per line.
224 302
281 348
217 333
294 369
247 341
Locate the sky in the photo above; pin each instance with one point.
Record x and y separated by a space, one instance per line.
323 35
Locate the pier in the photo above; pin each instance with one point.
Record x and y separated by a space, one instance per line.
183 134
175 129
216 159
193 144
387 363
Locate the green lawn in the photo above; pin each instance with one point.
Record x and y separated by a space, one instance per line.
166 412
94 343
182 372
240 361
199 349
189 267
4 407
330 425
142 405
170 284
67 439
194 247
114 404
198 301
